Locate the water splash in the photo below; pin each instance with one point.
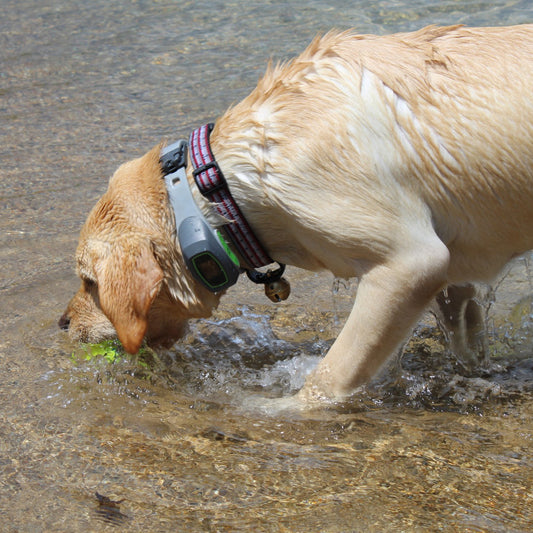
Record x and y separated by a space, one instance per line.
287 376
343 293
527 264
230 357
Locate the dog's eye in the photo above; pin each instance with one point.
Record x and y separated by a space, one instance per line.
89 284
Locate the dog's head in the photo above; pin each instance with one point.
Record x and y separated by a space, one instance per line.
134 282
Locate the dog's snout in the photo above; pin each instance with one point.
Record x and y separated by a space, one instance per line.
64 321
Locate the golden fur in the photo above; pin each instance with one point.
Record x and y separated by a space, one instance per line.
405 160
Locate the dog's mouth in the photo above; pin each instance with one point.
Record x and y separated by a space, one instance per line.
92 332
160 333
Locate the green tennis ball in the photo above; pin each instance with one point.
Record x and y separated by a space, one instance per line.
110 350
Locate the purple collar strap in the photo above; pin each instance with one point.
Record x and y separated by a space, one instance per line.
213 186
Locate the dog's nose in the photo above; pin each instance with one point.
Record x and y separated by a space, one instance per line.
64 321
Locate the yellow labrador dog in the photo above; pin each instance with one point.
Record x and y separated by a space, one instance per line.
405 160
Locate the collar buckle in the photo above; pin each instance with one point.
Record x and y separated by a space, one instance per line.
173 157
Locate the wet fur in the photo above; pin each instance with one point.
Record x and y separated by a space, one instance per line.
405 160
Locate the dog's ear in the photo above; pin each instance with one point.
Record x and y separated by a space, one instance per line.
129 279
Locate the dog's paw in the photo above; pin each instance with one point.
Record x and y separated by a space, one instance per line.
287 406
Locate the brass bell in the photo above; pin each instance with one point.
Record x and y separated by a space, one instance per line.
278 290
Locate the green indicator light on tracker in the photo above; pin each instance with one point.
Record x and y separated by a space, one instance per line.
229 251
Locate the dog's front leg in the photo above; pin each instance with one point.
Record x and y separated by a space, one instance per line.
389 300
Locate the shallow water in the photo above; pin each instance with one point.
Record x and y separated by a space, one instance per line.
190 440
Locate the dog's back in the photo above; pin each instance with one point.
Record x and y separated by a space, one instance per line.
444 112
